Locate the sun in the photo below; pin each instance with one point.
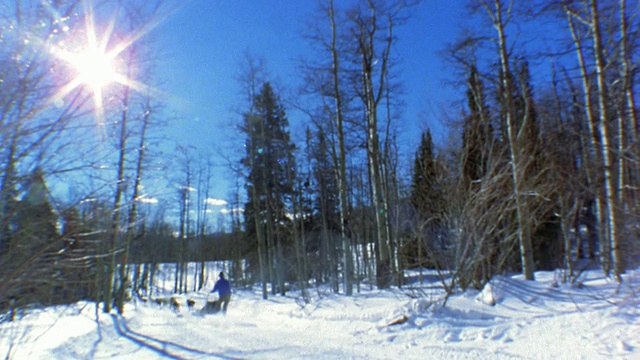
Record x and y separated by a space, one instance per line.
95 68
92 66
94 58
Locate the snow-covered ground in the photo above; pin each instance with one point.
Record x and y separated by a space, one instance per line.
510 319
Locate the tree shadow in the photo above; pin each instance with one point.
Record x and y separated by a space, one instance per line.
96 343
164 348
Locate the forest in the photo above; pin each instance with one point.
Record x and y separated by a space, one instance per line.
541 173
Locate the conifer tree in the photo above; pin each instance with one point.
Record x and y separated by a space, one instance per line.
31 255
327 216
483 180
268 182
477 135
427 201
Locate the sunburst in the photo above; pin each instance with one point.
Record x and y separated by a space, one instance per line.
97 62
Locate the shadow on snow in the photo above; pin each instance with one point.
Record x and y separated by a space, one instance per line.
159 346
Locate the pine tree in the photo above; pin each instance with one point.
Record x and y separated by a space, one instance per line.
8 208
482 191
546 236
34 247
268 182
428 204
477 136
327 215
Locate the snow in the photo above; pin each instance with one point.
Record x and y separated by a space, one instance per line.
509 319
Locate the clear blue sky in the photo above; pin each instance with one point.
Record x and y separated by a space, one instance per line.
203 41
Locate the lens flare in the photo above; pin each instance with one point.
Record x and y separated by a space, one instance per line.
96 61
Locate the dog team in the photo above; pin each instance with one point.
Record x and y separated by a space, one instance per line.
222 287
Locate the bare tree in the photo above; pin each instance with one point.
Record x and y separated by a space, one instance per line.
252 75
33 132
372 29
133 209
603 138
500 15
342 157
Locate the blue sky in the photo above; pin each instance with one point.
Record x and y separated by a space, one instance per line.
203 41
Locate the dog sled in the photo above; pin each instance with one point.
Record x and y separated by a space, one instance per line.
211 307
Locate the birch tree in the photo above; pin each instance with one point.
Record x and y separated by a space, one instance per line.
342 156
372 26
500 14
603 139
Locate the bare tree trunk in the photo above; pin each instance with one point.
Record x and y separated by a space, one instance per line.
177 286
117 204
341 170
239 274
133 210
298 218
594 140
390 181
187 234
279 263
610 190
517 163
203 225
371 96
270 243
260 237
629 116
180 283
251 78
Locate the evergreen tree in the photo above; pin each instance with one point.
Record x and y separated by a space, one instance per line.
427 200
477 135
36 219
8 207
327 215
546 237
268 182
482 191
29 265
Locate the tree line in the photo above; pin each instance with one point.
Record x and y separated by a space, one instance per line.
533 178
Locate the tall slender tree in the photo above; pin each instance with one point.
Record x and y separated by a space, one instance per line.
372 28
341 172
500 15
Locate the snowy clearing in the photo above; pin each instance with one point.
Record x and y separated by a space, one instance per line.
510 319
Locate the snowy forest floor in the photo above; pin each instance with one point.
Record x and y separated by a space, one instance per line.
510 319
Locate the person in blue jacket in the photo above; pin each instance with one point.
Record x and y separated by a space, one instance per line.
223 287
